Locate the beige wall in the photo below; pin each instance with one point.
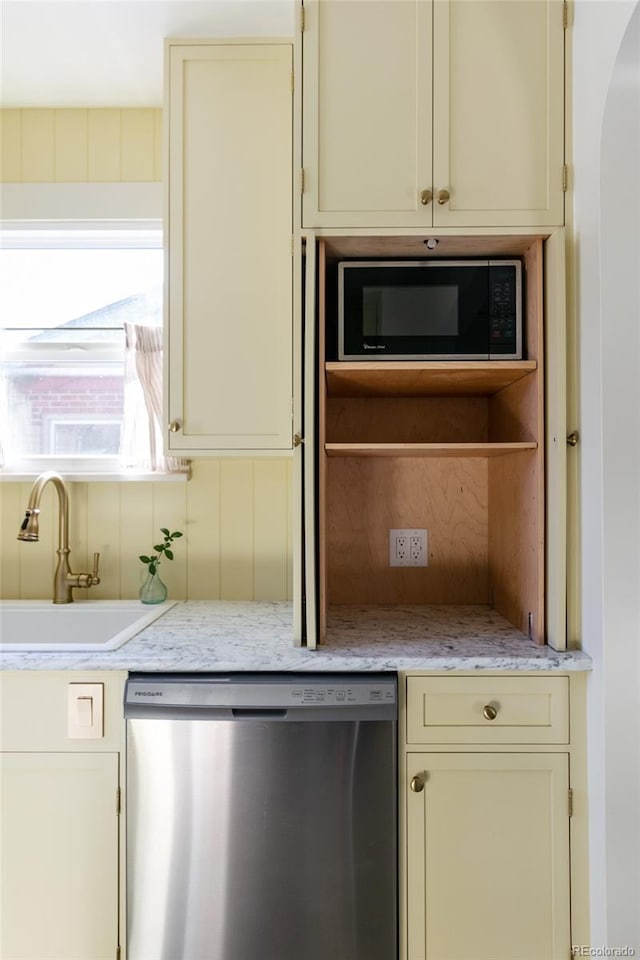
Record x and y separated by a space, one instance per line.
80 146
235 513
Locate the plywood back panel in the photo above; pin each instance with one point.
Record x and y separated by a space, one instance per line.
368 497
515 414
407 420
516 540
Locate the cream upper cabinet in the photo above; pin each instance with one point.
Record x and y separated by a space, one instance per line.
433 113
366 112
498 112
229 356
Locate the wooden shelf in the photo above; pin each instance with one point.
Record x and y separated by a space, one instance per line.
425 449
428 378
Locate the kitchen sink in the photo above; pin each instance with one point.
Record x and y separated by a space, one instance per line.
86 625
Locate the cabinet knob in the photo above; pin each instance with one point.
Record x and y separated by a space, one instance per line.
443 196
174 426
417 784
426 197
489 712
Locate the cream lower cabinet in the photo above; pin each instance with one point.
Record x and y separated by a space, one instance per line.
59 856
443 113
487 813
229 348
59 816
488 857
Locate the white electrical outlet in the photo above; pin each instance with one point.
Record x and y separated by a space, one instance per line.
408 548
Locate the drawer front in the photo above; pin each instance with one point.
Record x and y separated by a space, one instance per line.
488 709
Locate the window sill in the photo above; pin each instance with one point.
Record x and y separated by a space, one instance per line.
93 476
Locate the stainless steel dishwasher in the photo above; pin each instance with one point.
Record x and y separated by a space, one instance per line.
261 817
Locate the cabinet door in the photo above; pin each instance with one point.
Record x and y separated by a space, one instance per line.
498 98
229 348
366 113
488 857
555 345
311 465
59 827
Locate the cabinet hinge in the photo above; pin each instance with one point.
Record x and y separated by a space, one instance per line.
118 801
293 81
118 952
301 19
302 180
570 801
292 244
565 15
297 439
565 178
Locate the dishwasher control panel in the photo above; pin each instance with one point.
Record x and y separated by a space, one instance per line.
341 694
260 691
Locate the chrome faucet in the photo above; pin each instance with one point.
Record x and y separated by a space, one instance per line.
63 579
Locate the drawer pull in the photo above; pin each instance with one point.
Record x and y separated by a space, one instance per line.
417 784
489 712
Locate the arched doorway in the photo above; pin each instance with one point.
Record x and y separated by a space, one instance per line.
620 373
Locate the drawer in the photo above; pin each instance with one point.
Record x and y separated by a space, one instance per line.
488 710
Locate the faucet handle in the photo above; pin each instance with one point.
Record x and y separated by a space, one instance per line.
86 579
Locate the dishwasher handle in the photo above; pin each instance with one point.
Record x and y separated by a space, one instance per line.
259 713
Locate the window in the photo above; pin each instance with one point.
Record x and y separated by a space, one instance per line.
65 298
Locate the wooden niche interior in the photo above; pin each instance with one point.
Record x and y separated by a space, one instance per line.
454 447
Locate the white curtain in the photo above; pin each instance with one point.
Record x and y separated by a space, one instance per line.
142 427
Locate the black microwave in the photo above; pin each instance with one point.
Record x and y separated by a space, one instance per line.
430 310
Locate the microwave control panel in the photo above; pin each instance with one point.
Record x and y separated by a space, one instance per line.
502 306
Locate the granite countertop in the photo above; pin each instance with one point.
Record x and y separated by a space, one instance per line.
222 636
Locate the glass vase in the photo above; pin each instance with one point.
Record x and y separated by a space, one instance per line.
153 590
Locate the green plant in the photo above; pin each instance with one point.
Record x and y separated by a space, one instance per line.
161 549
